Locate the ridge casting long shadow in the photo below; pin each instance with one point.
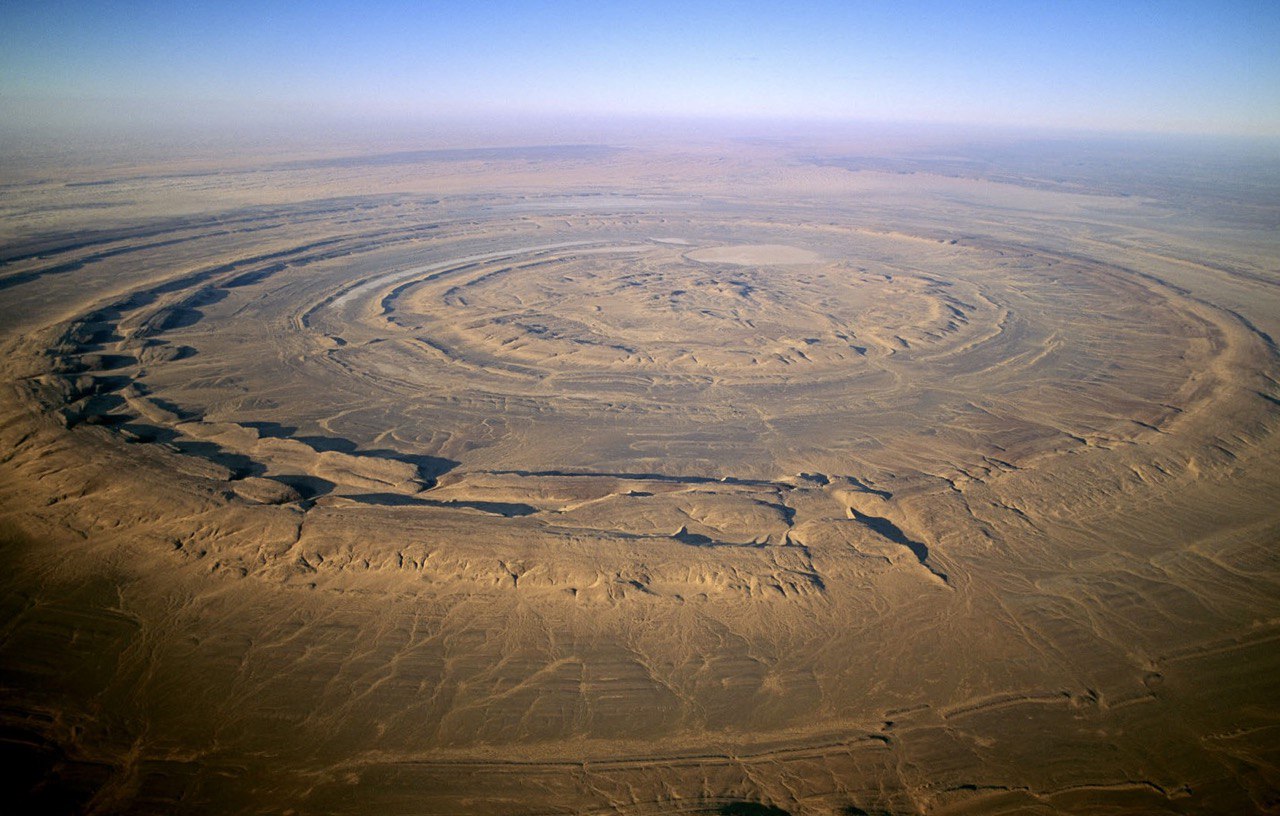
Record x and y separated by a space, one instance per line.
887 529
430 468
493 508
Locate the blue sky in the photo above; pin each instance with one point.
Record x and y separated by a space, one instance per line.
1146 66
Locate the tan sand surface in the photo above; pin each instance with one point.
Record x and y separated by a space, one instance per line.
757 255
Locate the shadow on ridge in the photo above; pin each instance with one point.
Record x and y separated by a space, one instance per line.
507 509
891 531
430 468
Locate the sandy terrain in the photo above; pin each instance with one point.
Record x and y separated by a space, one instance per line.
572 480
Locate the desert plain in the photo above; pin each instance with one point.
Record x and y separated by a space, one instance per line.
748 476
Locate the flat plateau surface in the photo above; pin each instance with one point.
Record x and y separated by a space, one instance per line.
646 480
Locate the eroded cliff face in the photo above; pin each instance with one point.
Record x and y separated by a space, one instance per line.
840 492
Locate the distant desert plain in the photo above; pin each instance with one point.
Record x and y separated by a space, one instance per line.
750 477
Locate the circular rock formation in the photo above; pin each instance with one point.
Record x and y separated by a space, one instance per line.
608 350
706 499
